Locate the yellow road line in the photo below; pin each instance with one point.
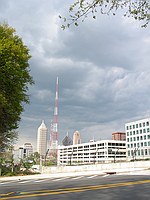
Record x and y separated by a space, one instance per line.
85 187
77 189
7 194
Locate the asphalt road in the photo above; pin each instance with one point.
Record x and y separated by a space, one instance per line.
94 187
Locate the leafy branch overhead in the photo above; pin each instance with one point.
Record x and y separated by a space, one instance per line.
81 9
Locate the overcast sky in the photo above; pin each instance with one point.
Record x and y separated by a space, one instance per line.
103 67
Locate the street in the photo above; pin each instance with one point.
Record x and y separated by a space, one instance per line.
108 187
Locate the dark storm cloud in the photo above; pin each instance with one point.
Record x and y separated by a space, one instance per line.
103 69
104 47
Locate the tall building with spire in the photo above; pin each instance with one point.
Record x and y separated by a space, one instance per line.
67 140
42 139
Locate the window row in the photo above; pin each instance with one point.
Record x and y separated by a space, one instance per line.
140 152
138 131
137 125
141 144
138 138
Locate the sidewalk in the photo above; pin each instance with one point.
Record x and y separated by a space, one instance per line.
131 171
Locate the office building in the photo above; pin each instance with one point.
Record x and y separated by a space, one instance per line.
138 139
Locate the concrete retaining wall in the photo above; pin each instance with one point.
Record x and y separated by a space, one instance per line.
119 167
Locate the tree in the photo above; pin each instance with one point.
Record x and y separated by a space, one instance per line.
138 9
14 82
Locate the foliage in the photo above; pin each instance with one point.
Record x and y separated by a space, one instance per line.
24 167
14 82
81 9
50 163
27 164
36 157
7 138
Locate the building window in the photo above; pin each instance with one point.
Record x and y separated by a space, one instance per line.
147 123
143 124
149 143
140 125
144 130
145 144
142 152
140 130
144 137
130 132
148 137
131 139
128 146
138 152
128 153
134 144
127 133
133 132
141 144
131 145
136 125
137 132
127 128
130 127
127 139
134 139
146 152
133 126
138 138
147 130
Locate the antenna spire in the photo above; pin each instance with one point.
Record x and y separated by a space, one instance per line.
54 127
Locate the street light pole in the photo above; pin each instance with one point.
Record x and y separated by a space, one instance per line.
95 156
115 155
71 156
46 157
135 150
40 163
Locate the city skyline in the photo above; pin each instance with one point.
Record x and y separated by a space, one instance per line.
102 65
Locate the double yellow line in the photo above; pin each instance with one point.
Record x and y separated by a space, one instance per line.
69 190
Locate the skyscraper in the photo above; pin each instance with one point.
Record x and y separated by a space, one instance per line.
42 139
76 138
67 141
